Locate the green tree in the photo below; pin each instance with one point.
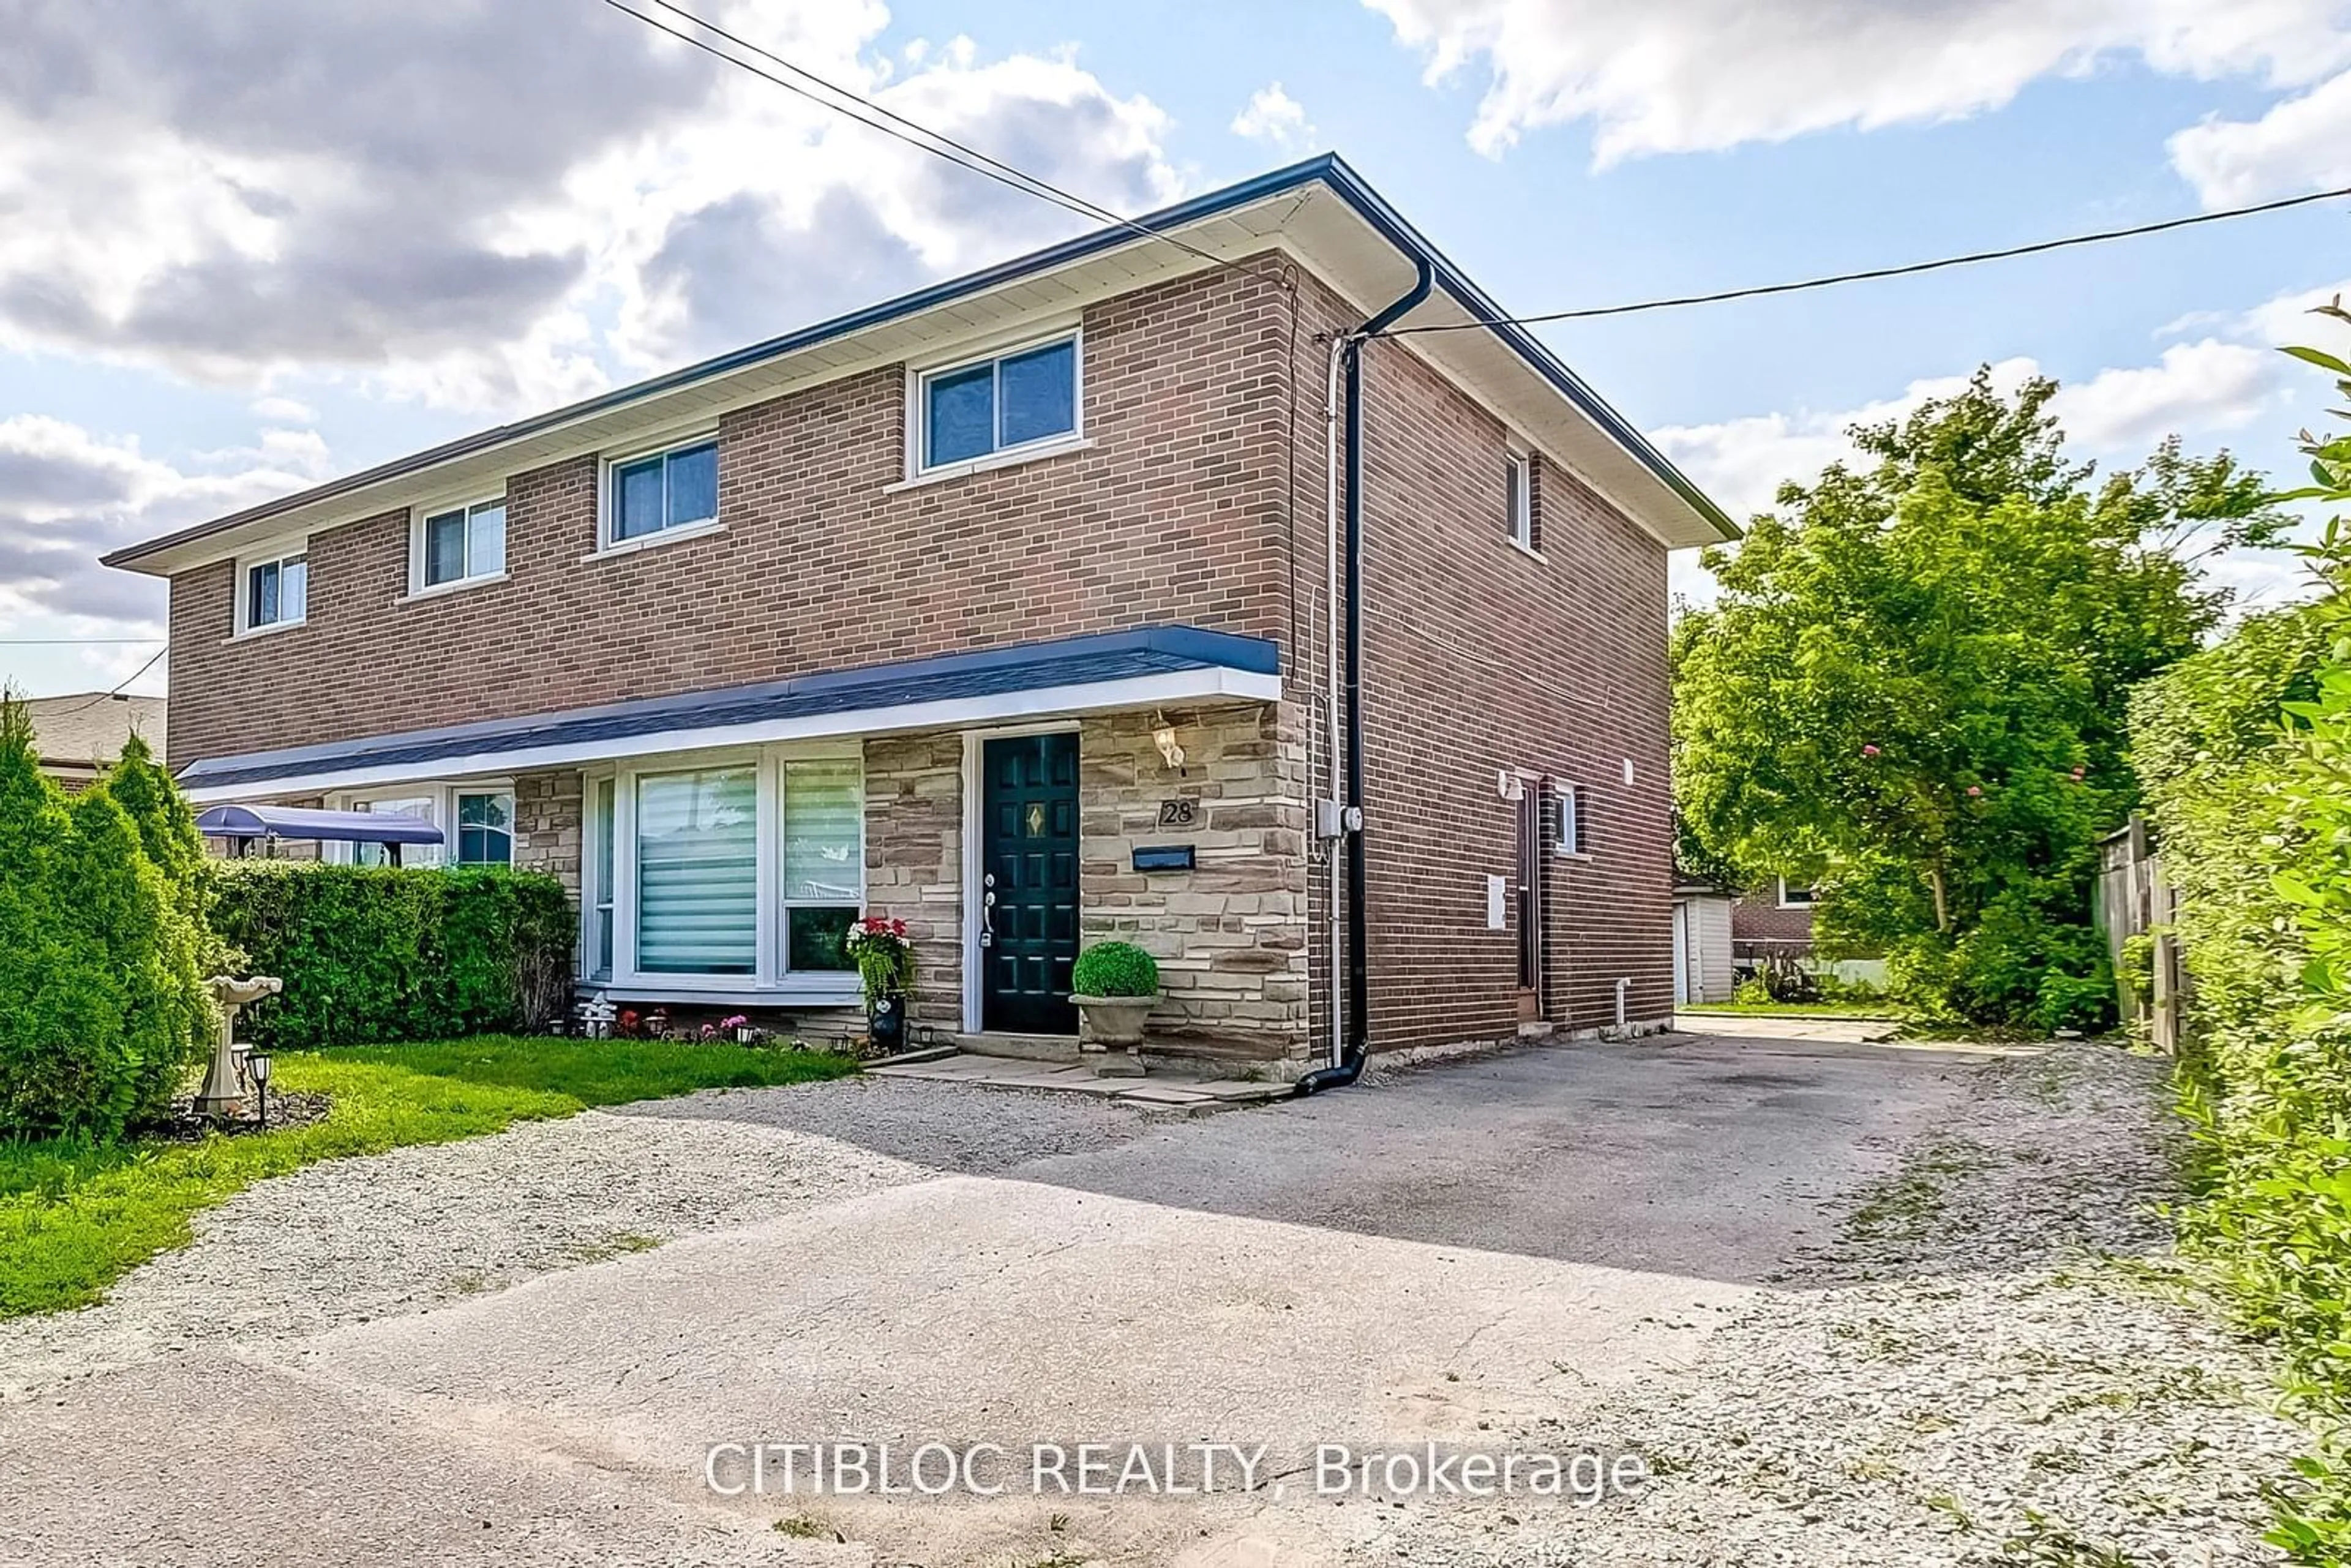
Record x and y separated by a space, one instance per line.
1910 690
101 1012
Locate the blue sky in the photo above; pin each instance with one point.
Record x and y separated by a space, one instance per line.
263 242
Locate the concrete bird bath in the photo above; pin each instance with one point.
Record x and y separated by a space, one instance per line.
224 1091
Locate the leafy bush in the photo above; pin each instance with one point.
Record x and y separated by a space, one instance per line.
380 954
101 1009
2245 752
1115 969
1910 689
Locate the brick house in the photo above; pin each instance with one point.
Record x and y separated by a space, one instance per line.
1002 607
1775 921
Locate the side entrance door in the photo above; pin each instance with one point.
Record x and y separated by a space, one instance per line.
1028 882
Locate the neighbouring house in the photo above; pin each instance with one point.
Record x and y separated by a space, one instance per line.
1703 969
1003 607
1773 921
77 736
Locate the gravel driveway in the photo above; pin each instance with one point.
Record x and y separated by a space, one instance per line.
1848 1299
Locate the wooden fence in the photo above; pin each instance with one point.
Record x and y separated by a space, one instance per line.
2131 899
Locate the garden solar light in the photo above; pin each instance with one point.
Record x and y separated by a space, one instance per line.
256 1063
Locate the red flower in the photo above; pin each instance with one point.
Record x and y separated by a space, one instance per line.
1869 751
1974 790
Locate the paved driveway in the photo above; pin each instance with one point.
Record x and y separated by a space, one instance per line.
1440 1251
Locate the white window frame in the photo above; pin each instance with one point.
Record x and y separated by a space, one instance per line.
1567 823
608 468
1811 896
420 554
454 830
443 794
918 405
771 980
595 896
1518 491
242 623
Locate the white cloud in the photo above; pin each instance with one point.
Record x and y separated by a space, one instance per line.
255 190
67 494
2301 144
1273 116
1675 75
284 411
2207 387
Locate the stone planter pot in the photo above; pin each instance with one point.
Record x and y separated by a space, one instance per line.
1112 1026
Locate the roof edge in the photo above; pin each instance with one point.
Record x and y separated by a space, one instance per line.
1327 169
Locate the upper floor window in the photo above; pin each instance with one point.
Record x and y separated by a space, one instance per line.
464 542
1024 398
1519 481
276 593
661 490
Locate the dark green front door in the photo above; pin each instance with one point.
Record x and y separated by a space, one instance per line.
1029 883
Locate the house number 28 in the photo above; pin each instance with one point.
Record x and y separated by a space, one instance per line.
1177 813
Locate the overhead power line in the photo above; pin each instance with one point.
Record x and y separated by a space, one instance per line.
938 144
110 696
68 642
1904 270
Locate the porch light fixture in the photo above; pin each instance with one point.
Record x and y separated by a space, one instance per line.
257 1067
1164 737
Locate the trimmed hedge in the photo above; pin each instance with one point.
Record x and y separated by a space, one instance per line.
382 953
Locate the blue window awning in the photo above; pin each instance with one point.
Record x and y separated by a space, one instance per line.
311 825
1145 667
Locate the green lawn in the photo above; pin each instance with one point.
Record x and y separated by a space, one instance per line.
74 1217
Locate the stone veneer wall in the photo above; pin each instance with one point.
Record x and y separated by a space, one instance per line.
546 826
913 863
1230 935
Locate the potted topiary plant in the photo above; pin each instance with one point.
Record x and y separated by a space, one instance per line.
1116 986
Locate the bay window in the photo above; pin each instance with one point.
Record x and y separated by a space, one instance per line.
697 871
735 873
824 860
598 901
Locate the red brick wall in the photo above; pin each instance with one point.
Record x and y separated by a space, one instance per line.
1480 658
1759 926
1202 502
1174 514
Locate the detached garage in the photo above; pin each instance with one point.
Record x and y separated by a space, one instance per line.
1701 944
